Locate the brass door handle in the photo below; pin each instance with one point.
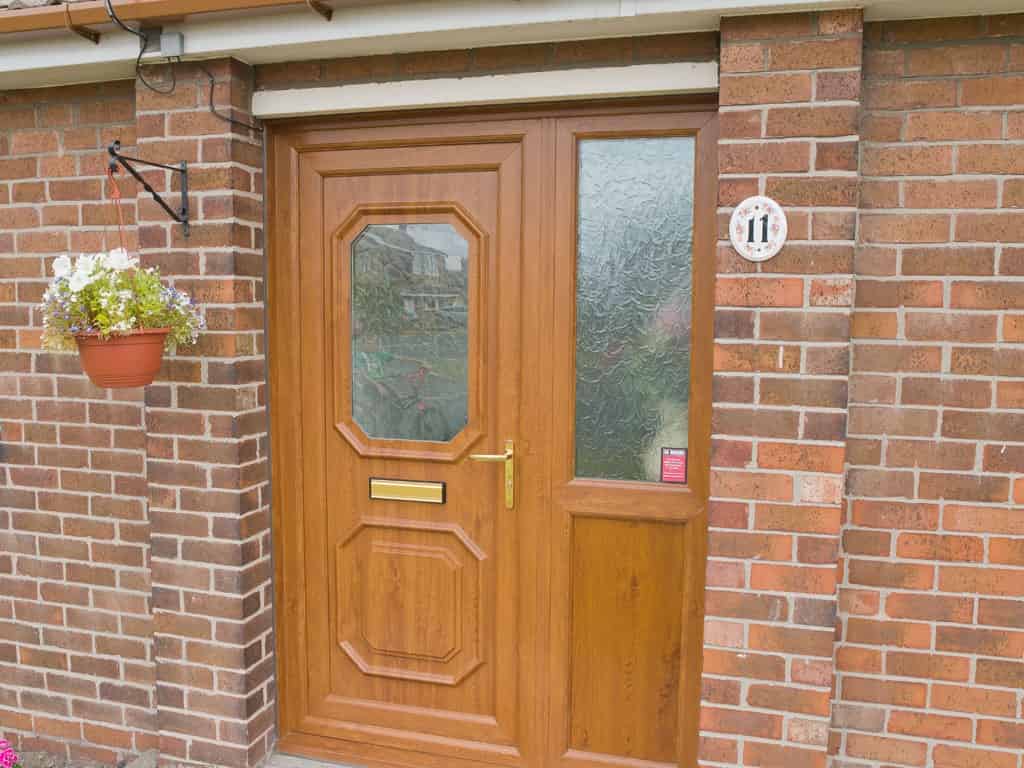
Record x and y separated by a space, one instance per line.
509 459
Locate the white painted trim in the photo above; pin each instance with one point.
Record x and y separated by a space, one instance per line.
555 85
369 27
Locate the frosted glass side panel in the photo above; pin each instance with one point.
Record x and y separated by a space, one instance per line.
410 298
633 295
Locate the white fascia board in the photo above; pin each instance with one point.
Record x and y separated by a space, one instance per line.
295 33
520 88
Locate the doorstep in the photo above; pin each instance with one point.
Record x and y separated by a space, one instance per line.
279 760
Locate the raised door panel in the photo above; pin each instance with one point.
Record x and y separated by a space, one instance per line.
415 613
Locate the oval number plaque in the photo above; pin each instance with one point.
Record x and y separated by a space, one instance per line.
758 228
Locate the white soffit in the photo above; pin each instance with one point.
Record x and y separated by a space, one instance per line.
557 85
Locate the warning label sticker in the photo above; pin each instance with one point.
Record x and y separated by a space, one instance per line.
673 465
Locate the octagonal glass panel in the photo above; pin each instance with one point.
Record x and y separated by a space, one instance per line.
410 339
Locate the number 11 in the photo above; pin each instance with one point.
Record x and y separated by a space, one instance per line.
764 229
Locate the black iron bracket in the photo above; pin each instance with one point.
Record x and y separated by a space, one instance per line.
181 215
84 32
322 9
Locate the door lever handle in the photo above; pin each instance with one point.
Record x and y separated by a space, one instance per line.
509 459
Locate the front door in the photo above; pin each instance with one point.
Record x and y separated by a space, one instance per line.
489 351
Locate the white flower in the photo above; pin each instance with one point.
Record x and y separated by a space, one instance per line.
119 259
84 272
78 281
61 266
85 263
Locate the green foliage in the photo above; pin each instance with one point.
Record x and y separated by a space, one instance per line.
108 294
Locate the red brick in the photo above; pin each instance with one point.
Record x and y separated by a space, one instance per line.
989 158
983 520
809 458
930 454
910 94
911 228
948 756
896 633
764 89
992 581
800 579
867 543
734 721
963 487
991 227
1006 552
982 642
814 54
753 292
837 86
752 485
955 125
957 393
928 725
760 157
899 694
1006 674
881 127
779 697
992 90
927 665
950 194
812 121
742 58
956 698
929 607
853 659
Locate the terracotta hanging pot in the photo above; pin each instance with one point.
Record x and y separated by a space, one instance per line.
123 360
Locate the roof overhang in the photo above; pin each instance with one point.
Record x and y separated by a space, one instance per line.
261 31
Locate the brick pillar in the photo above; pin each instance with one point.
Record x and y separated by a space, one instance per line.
930 658
789 102
206 451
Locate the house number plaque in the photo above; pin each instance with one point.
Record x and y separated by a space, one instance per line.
758 228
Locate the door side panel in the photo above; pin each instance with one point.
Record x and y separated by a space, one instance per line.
628 555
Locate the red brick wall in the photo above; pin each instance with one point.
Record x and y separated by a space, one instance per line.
932 598
76 649
134 536
789 92
207 438
135 592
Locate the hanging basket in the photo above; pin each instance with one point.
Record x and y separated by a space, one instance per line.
124 360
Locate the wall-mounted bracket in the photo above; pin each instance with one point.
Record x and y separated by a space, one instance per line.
89 34
321 8
181 215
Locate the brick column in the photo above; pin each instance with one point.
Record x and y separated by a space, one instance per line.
930 659
789 103
206 450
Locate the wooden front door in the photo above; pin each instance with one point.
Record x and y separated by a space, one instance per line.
490 361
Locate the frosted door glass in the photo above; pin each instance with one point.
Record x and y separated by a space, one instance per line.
410 331
633 293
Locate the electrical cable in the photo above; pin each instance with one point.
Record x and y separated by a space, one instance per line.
170 65
213 110
143 47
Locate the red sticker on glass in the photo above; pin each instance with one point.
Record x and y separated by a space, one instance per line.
673 465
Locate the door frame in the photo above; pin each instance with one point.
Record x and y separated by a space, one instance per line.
285 139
